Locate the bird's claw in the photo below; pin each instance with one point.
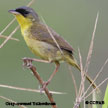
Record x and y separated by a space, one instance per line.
27 62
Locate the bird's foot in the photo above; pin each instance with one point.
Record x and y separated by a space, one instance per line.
27 62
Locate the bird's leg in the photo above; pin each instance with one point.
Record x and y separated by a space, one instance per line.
28 63
52 75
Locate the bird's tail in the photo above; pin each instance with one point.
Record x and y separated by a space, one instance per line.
73 62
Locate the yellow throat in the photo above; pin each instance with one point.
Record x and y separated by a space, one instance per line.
24 23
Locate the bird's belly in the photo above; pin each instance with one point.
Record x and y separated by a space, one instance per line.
43 50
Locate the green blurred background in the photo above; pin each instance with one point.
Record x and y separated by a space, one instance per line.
74 20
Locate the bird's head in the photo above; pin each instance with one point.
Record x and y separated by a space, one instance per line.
25 15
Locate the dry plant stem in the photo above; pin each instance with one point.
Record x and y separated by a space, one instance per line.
5 41
91 48
7 99
5 37
96 76
81 89
53 37
95 89
7 27
91 45
37 76
74 82
27 89
77 104
30 3
9 37
82 85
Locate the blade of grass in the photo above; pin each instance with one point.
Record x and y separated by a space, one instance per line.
91 45
96 96
106 98
27 89
94 99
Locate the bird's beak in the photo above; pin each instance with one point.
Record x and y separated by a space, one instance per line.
13 12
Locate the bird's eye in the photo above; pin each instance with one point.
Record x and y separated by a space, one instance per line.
22 11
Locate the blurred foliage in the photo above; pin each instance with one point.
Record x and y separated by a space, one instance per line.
106 98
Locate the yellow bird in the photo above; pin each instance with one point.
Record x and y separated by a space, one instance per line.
39 40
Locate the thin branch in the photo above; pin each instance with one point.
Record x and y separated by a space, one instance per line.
37 76
91 45
5 41
7 99
5 37
7 27
27 89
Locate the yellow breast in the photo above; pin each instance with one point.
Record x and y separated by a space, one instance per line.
35 46
43 49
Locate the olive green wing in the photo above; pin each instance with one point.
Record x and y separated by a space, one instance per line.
40 32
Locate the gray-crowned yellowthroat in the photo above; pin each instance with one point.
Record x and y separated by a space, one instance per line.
39 40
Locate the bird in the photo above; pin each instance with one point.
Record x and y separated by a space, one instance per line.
44 42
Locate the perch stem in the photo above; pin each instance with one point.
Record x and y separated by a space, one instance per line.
37 76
